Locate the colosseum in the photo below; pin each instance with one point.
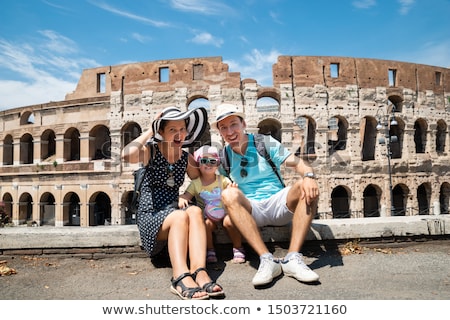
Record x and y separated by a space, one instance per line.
376 132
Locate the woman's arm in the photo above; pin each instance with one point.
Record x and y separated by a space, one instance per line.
137 150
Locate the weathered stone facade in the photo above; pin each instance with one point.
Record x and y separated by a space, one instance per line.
60 161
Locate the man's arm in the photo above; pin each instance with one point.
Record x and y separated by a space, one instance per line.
303 167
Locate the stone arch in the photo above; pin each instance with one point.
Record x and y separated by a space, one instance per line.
26 149
47 209
420 135
424 198
130 131
7 205
72 144
268 93
395 102
8 150
396 135
71 209
198 100
444 198
340 202
371 201
48 145
368 136
25 208
268 103
99 209
99 143
400 197
305 135
27 117
338 128
441 134
271 127
130 218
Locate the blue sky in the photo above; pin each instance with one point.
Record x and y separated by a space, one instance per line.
45 44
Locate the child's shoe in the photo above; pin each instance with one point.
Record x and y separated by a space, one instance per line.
211 256
238 255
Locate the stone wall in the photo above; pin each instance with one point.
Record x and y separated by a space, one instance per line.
325 106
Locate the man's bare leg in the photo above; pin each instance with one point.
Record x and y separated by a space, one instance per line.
239 210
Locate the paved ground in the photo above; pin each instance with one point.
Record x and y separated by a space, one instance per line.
348 271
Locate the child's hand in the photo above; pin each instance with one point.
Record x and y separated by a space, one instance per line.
232 185
182 203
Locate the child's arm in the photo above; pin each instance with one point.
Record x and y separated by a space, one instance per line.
228 183
183 200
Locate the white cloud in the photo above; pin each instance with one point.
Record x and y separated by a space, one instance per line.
20 93
55 5
275 17
129 15
140 38
58 43
364 4
205 7
434 54
243 39
256 65
207 38
405 6
39 72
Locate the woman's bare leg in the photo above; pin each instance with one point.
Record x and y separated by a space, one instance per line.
175 230
197 245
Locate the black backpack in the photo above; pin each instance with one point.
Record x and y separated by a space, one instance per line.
139 175
260 147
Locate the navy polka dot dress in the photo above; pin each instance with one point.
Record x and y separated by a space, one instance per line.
159 197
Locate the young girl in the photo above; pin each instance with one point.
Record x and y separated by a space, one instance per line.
207 191
160 222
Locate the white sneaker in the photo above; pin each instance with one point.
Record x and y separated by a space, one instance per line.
296 268
267 271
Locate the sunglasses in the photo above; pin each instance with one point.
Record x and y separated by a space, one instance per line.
244 163
211 161
170 179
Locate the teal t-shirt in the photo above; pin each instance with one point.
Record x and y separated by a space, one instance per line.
260 182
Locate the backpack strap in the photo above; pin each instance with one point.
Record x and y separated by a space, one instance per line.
225 161
260 146
152 154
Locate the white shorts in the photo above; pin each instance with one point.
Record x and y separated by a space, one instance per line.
272 211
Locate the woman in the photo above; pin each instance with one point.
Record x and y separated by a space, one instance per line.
160 222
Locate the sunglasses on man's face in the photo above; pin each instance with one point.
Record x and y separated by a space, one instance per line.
210 161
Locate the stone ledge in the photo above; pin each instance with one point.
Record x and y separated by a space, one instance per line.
48 238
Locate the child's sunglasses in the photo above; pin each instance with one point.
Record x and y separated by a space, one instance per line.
211 161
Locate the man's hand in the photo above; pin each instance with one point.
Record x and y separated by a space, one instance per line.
310 190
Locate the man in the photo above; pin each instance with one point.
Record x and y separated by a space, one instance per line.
261 199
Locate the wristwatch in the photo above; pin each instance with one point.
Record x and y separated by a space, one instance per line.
311 175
